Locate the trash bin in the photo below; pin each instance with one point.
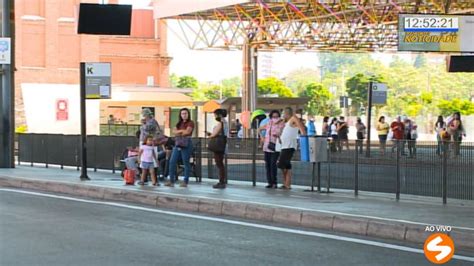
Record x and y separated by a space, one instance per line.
318 149
304 148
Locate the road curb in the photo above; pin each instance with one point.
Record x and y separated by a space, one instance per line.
340 223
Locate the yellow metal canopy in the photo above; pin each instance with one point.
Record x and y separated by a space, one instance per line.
329 25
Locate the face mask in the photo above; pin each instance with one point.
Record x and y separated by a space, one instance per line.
218 119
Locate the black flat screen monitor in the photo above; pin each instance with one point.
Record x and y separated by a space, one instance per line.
105 19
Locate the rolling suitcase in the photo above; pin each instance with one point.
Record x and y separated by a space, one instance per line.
129 177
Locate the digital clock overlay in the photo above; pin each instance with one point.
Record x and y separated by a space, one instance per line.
435 33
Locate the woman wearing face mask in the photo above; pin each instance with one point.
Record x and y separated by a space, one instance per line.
273 131
221 130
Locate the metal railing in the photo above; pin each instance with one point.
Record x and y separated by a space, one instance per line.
444 170
118 129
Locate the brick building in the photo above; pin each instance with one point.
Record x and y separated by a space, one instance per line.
49 50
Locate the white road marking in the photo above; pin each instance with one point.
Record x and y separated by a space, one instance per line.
227 221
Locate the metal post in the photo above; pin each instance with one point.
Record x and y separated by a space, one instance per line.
319 177
254 161
313 176
83 124
398 170
356 173
369 117
32 148
62 151
113 155
7 91
45 143
225 167
445 173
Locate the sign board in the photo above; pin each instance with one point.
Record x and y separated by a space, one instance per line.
379 93
62 112
435 33
5 51
98 80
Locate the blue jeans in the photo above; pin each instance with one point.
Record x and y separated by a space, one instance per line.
185 155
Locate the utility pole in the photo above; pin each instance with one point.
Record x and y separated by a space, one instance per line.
7 90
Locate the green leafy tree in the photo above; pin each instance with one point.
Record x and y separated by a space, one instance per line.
320 100
273 85
357 89
447 107
188 82
331 62
174 79
231 86
298 79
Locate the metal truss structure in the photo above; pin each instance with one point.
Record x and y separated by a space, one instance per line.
305 25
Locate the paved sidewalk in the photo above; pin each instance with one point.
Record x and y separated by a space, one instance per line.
338 211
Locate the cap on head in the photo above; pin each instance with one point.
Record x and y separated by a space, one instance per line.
146 112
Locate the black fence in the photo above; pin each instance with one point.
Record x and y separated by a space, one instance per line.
444 170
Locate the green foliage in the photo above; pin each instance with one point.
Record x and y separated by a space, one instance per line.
297 80
447 107
357 88
188 82
228 88
174 79
320 100
273 85
331 62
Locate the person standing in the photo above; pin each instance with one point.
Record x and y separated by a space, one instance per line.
382 131
440 128
289 143
221 130
412 140
343 133
325 130
334 145
408 126
238 125
361 131
150 126
456 130
147 161
183 147
273 131
398 130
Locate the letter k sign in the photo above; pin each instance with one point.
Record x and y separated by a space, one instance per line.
90 71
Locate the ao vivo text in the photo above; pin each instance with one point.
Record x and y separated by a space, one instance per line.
438 228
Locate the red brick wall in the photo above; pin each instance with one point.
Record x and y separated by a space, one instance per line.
48 49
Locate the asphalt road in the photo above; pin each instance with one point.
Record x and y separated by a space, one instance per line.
37 230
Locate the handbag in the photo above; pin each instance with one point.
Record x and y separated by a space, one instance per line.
181 142
218 144
271 145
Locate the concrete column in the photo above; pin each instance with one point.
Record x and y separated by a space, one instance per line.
249 81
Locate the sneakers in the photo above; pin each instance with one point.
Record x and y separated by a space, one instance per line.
219 186
156 184
183 184
169 184
140 183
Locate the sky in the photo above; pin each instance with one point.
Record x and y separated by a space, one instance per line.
214 66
